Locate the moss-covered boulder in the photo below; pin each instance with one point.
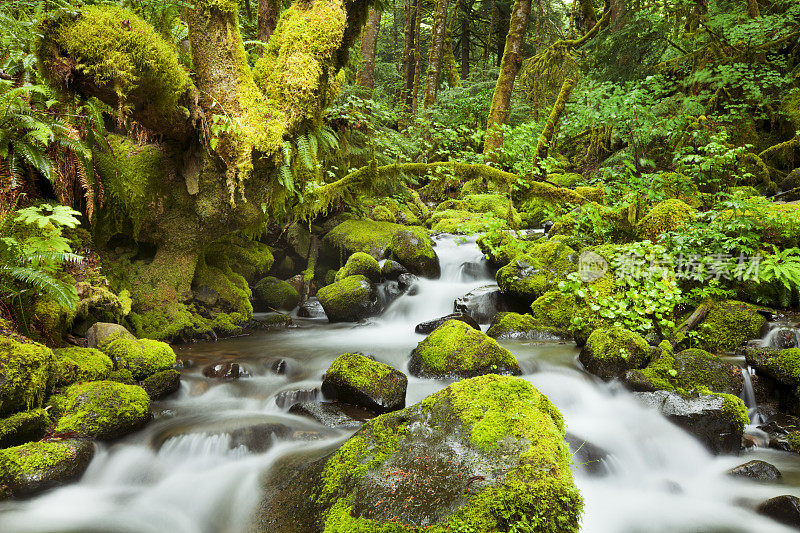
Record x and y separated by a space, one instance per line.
100 410
555 310
358 380
455 349
782 365
271 293
23 427
76 364
143 357
391 270
686 371
415 252
665 216
517 326
610 352
400 472
38 466
162 384
101 333
413 247
524 279
729 324
381 213
349 300
26 374
501 247
360 264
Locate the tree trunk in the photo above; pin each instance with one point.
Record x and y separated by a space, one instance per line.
555 115
436 53
409 45
268 13
417 65
465 34
369 48
512 58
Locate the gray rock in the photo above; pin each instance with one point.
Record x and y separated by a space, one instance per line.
311 309
335 415
102 332
430 325
59 462
756 470
225 370
288 398
784 509
482 304
391 270
162 384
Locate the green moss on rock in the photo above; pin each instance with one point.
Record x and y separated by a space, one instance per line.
26 375
81 364
729 324
555 309
665 216
101 409
358 380
456 349
610 352
349 300
382 213
37 466
23 427
525 279
272 294
162 383
517 326
782 365
142 357
360 264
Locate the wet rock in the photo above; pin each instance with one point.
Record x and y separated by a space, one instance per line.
336 415
143 357
259 438
311 309
474 270
517 326
455 349
729 324
271 293
162 384
782 365
287 398
610 352
37 466
415 251
717 421
587 456
76 364
284 367
225 370
295 282
389 292
25 375
23 427
360 264
100 409
433 466
756 470
482 303
358 380
781 430
349 300
205 295
103 332
430 325
391 270
408 283
688 370
784 509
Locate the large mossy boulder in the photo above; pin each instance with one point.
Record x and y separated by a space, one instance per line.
143 357
782 365
271 293
517 326
76 364
101 333
360 264
31 468
455 349
665 216
484 454
349 300
410 245
524 279
23 427
610 352
358 380
162 384
729 324
556 310
100 410
26 375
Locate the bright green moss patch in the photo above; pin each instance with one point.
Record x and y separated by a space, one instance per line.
456 349
23 427
525 279
555 309
735 410
360 263
382 213
25 375
272 293
665 216
517 326
81 364
358 380
101 409
610 352
349 300
143 357
367 236
783 365
32 458
360 371
687 371
729 324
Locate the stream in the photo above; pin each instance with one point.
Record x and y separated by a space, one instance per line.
189 472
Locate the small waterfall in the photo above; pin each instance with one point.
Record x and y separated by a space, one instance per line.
749 396
781 335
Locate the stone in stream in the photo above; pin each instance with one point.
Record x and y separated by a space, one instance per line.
610 352
287 398
391 270
415 252
408 283
729 324
430 325
225 370
349 300
482 304
37 466
782 365
517 326
23 427
103 410
717 420
285 367
756 470
143 357
258 438
587 456
76 364
449 463
162 384
455 349
336 415
360 264
311 309
358 380
784 509
272 294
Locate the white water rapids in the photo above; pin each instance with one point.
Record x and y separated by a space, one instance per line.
185 473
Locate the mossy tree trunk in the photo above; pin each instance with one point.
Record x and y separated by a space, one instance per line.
369 47
436 54
409 45
512 59
221 133
464 39
268 12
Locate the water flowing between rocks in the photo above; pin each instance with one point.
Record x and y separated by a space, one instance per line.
198 466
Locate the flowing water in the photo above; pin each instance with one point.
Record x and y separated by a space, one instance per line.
191 470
